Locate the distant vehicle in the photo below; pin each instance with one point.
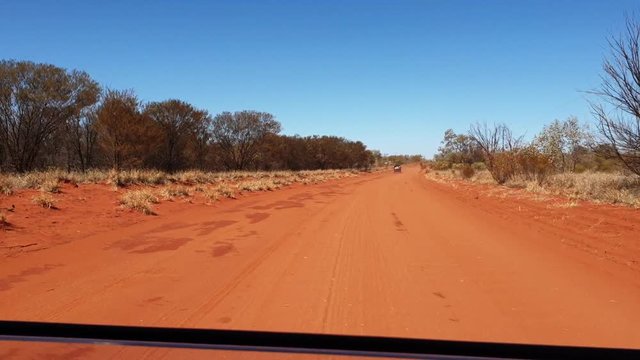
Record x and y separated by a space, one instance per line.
397 169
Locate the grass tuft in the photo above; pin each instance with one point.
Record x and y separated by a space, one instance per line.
170 192
44 200
6 185
226 191
211 195
50 186
139 200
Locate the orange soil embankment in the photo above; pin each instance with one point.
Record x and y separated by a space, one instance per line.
385 254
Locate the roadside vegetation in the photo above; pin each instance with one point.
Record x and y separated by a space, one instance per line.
73 124
75 133
567 157
142 189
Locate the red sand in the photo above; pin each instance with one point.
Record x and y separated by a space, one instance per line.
382 254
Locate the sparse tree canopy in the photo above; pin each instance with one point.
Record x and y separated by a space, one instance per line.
178 123
239 134
619 125
562 142
457 149
497 144
36 102
126 136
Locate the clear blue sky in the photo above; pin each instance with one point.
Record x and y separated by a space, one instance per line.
394 74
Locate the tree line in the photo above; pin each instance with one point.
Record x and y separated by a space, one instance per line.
562 146
53 117
565 146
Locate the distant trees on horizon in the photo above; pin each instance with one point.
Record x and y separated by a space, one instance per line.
51 117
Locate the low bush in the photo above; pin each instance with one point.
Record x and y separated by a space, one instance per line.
527 163
502 166
467 171
534 165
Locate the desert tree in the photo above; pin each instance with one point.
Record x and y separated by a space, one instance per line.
238 136
618 115
497 143
81 138
495 139
84 137
458 148
553 142
198 146
36 102
126 136
564 142
178 123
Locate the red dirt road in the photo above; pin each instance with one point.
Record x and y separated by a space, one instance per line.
383 254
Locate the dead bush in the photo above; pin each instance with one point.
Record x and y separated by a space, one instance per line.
503 166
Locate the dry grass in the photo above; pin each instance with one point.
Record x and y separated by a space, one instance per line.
225 190
44 200
258 185
6 185
139 200
168 193
50 186
40 179
610 188
213 185
211 195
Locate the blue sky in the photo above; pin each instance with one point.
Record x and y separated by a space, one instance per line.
394 74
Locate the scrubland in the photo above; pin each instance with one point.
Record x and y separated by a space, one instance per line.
140 190
599 187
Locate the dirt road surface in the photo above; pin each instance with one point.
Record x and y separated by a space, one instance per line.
382 254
